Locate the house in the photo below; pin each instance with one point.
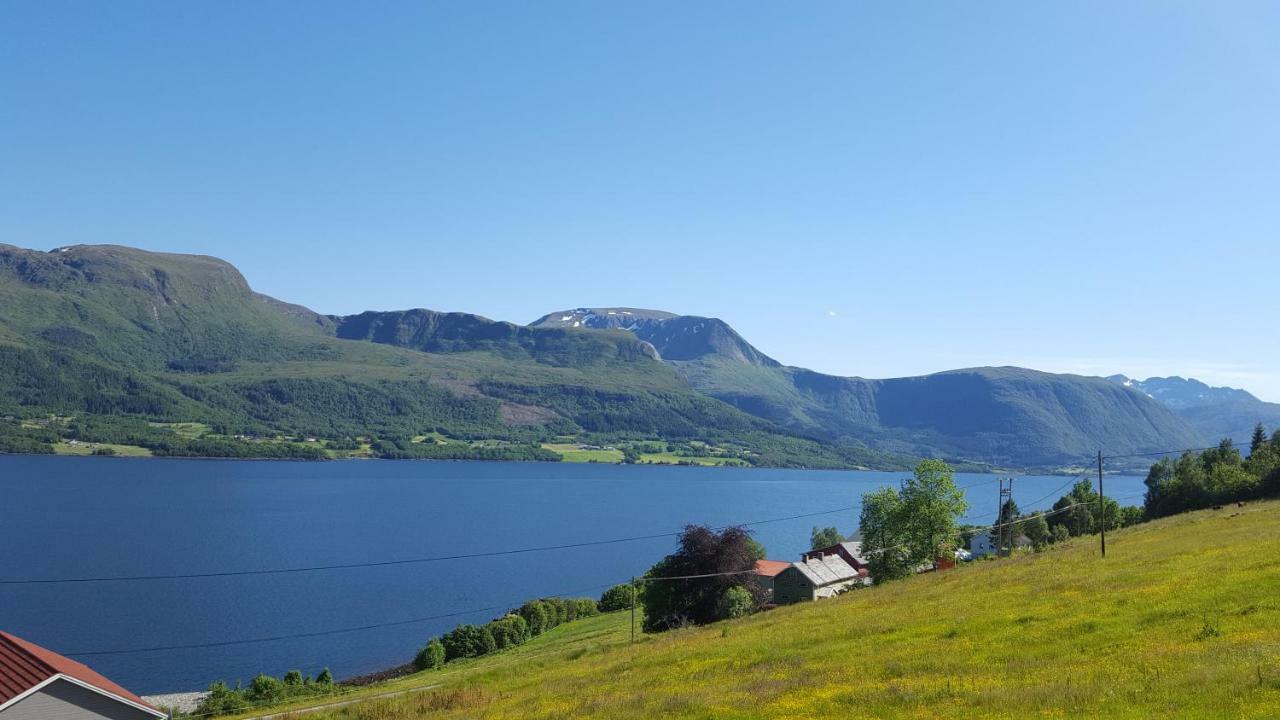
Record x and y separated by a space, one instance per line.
984 543
767 570
849 550
39 684
814 578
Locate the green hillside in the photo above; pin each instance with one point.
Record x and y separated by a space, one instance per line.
1181 620
111 345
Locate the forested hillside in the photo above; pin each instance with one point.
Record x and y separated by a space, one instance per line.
114 346
1004 416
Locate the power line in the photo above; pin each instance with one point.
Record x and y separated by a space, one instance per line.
459 613
317 633
1158 453
410 561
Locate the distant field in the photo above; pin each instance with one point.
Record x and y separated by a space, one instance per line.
66 448
674 459
1181 620
571 453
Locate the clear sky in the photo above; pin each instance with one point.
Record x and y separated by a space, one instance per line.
864 188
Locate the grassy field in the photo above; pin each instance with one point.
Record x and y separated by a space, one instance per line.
666 458
569 452
83 448
1181 620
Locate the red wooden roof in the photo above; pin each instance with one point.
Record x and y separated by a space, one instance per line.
770 568
23 665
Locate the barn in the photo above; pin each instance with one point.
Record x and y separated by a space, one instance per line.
815 578
39 684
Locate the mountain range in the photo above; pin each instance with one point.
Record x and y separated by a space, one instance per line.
1213 412
116 332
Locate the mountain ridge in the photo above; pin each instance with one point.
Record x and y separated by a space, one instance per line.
1005 415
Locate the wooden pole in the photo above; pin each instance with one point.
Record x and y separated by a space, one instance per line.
633 608
1102 506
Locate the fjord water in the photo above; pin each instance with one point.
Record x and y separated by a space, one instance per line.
95 517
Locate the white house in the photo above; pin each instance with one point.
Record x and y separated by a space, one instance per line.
39 684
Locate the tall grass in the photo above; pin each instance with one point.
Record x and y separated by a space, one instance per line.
1181 620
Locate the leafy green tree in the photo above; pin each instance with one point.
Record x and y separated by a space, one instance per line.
431 656
325 677
1036 528
931 505
509 631
467 641
293 677
686 586
1131 515
736 602
618 597
824 537
884 535
535 614
1159 477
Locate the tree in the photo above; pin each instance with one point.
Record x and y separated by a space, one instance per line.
467 641
1158 479
1003 527
430 657
293 677
736 602
1259 439
931 503
618 597
725 557
1036 528
884 535
535 615
824 537
325 677
903 529
1131 515
509 631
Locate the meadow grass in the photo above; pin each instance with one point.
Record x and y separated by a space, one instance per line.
569 452
665 458
1181 620
83 448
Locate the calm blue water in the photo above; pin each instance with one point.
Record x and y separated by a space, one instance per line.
68 517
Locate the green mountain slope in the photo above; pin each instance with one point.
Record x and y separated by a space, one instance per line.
122 333
1004 416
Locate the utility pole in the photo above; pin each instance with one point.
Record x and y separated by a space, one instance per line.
633 608
1102 507
1003 528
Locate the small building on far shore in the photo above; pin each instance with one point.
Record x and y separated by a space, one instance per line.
40 684
815 578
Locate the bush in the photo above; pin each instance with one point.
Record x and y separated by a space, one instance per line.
618 597
509 631
536 615
325 677
430 657
736 602
467 641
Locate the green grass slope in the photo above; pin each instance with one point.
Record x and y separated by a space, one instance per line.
1181 620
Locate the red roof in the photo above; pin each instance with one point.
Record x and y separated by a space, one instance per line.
770 568
23 665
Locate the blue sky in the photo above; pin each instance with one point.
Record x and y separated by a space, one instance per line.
872 189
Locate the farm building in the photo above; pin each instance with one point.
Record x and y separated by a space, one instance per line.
850 551
984 543
767 570
815 578
39 684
